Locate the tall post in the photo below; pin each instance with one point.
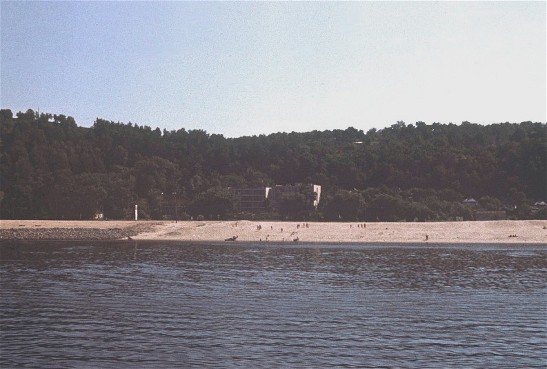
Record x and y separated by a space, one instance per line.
176 208
136 212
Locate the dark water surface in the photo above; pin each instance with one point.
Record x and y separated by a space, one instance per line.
165 305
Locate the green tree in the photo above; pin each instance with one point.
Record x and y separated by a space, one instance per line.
214 203
344 205
424 171
387 208
490 203
297 205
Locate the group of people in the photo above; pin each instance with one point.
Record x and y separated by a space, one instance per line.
259 228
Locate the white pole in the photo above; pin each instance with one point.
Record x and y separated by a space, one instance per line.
136 212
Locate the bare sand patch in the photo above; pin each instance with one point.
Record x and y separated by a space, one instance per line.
506 231
526 231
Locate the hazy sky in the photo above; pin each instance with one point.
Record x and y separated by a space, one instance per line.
243 68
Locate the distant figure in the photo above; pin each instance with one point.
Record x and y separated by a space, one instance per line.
129 238
296 239
281 229
298 226
426 237
231 238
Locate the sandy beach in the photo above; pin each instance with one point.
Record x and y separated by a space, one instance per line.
522 231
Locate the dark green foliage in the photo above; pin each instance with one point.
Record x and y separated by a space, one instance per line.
214 203
540 214
386 207
344 205
490 203
51 168
296 206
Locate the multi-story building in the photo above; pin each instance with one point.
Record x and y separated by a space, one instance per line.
257 199
251 200
278 191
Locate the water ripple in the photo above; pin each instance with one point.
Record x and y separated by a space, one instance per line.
164 305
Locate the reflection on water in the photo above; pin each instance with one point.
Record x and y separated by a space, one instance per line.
129 304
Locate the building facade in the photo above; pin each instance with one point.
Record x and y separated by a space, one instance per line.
277 192
252 200
260 199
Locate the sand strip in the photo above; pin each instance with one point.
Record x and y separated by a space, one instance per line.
522 231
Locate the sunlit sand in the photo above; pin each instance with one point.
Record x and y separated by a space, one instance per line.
521 231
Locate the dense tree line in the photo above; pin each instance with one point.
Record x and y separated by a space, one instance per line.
53 169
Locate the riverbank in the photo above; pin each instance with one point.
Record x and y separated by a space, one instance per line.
72 230
506 231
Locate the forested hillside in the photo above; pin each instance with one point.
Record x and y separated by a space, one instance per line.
52 169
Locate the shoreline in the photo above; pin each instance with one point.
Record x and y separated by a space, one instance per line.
59 230
277 232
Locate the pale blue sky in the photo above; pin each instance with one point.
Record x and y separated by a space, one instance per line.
245 68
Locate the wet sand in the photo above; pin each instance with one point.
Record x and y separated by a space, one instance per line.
522 231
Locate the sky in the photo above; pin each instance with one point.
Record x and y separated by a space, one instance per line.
249 68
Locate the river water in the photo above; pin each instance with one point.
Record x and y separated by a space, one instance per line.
164 305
